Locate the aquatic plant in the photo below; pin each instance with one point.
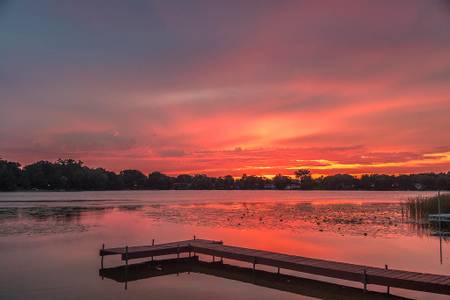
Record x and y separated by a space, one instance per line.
420 207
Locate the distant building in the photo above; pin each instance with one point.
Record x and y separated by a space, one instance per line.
269 186
418 186
294 186
181 186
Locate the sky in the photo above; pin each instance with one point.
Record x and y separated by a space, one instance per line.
227 87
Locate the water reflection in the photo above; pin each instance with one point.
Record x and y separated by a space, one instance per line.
281 282
360 219
41 240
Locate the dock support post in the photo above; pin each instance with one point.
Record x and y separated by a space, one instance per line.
214 258
126 278
365 280
103 249
439 220
254 264
126 267
278 272
178 252
194 237
388 287
153 244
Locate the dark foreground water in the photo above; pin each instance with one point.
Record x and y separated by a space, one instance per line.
49 242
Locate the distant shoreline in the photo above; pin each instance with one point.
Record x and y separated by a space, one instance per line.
230 190
72 175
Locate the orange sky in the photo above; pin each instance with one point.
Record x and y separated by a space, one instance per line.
260 87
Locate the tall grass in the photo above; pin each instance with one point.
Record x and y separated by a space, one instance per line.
420 207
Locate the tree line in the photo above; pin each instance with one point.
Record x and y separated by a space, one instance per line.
72 175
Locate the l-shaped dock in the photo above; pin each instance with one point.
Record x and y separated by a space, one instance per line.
424 282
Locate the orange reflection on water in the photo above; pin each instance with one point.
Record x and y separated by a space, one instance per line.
415 253
74 246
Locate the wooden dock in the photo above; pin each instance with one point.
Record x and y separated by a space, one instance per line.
439 218
431 283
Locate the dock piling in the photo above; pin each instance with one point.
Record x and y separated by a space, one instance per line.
126 255
103 255
388 287
126 279
365 280
153 244
103 249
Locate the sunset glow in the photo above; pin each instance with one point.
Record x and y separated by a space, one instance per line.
260 88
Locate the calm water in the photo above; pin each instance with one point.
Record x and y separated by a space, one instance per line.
49 241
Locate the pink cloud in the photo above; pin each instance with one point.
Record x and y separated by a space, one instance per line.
356 86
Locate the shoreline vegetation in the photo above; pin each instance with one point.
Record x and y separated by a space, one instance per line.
419 208
72 175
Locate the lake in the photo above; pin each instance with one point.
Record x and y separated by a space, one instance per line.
49 241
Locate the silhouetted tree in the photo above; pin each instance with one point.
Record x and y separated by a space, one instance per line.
10 175
133 179
305 180
42 175
69 174
228 182
442 182
281 182
184 178
96 179
251 182
115 181
338 182
377 182
300 173
159 181
202 182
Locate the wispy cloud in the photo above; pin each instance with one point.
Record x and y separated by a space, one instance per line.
354 86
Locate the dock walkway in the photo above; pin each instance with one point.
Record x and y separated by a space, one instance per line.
358 273
439 218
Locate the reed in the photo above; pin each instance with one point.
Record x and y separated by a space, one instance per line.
420 207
